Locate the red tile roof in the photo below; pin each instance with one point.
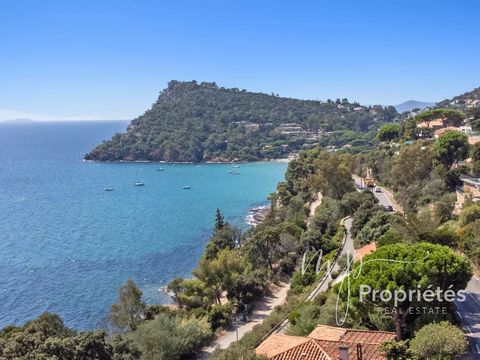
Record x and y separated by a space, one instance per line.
278 343
324 342
310 350
472 140
324 332
365 250
440 132
431 124
367 351
367 336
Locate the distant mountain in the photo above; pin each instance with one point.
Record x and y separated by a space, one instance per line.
413 104
18 121
194 122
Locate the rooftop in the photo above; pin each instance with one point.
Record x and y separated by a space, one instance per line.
323 343
365 250
431 124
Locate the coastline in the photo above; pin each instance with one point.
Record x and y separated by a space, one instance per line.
123 233
281 160
255 216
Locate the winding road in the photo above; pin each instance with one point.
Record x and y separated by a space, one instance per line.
467 311
346 247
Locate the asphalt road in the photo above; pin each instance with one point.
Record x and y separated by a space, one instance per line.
347 248
468 313
381 196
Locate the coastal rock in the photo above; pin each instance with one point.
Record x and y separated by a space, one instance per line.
257 215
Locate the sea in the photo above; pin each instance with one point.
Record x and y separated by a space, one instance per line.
67 244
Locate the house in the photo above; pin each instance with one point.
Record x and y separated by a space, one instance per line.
472 140
252 127
471 186
440 132
434 124
326 343
290 129
466 129
426 129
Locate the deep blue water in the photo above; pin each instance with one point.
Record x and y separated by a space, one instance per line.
66 245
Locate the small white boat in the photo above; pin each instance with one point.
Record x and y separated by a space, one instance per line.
139 183
108 189
161 169
186 187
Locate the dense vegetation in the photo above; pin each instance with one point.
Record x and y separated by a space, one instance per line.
193 122
238 269
48 338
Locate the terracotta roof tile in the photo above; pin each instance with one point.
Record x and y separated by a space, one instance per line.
278 343
472 140
431 124
365 250
368 351
310 350
323 344
440 132
324 332
367 337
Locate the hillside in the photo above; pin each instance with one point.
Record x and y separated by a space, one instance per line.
194 122
413 104
464 101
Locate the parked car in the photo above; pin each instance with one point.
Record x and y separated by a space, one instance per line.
378 189
389 208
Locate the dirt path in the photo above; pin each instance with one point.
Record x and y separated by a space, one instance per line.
278 295
313 206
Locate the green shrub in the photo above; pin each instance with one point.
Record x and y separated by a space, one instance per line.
171 337
442 341
220 316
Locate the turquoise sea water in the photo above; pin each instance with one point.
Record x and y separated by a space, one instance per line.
66 244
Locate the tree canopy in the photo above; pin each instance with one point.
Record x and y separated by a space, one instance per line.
129 311
195 122
406 267
172 337
450 117
450 147
48 338
389 132
442 341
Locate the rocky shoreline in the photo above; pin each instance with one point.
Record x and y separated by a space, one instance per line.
257 215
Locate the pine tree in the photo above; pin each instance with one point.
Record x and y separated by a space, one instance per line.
219 220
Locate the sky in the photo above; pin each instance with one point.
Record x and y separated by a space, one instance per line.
106 59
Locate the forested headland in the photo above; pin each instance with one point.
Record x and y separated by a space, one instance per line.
196 122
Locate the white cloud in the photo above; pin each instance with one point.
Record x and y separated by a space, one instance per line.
15 114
